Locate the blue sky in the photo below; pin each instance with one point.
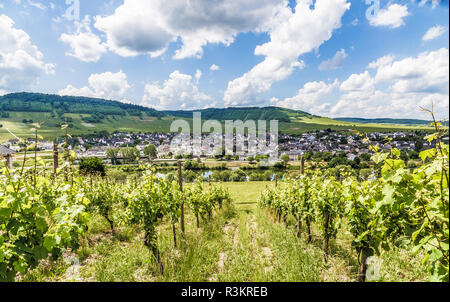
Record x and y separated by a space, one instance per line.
325 56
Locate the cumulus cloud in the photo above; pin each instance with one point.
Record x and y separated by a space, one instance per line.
214 67
178 92
148 27
383 61
311 98
411 82
391 17
86 46
392 88
106 85
434 32
428 72
335 62
292 34
358 82
21 62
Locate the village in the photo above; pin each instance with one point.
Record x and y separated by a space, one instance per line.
172 146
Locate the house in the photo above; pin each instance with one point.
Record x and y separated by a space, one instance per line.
7 154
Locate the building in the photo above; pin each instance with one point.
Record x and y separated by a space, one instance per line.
7 154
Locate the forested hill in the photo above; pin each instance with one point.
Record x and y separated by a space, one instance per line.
248 113
37 102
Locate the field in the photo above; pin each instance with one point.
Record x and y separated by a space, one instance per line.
51 130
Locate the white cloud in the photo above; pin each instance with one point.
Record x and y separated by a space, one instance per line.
37 5
428 72
178 92
358 82
397 89
411 82
292 34
86 46
434 3
198 74
434 32
311 98
148 27
105 85
391 17
214 67
334 63
21 62
383 61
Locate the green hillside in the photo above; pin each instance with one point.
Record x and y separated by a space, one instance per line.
85 116
244 113
413 122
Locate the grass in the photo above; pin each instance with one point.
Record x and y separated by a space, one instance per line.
240 243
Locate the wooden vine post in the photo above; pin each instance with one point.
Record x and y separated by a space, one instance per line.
362 266
302 165
55 159
299 217
180 183
276 187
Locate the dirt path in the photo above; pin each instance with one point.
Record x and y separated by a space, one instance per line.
246 254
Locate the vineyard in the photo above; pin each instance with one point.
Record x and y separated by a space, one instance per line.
398 207
70 225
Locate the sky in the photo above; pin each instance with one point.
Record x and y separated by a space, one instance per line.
334 58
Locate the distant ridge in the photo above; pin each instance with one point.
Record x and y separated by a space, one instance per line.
386 121
241 113
39 102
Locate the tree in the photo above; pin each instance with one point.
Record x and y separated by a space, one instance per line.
365 157
285 159
308 155
418 146
238 176
92 165
113 154
150 151
404 156
130 154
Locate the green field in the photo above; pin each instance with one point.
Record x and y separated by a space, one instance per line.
50 129
132 124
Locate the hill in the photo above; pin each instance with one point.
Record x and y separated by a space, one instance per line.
87 116
243 113
37 102
386 121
